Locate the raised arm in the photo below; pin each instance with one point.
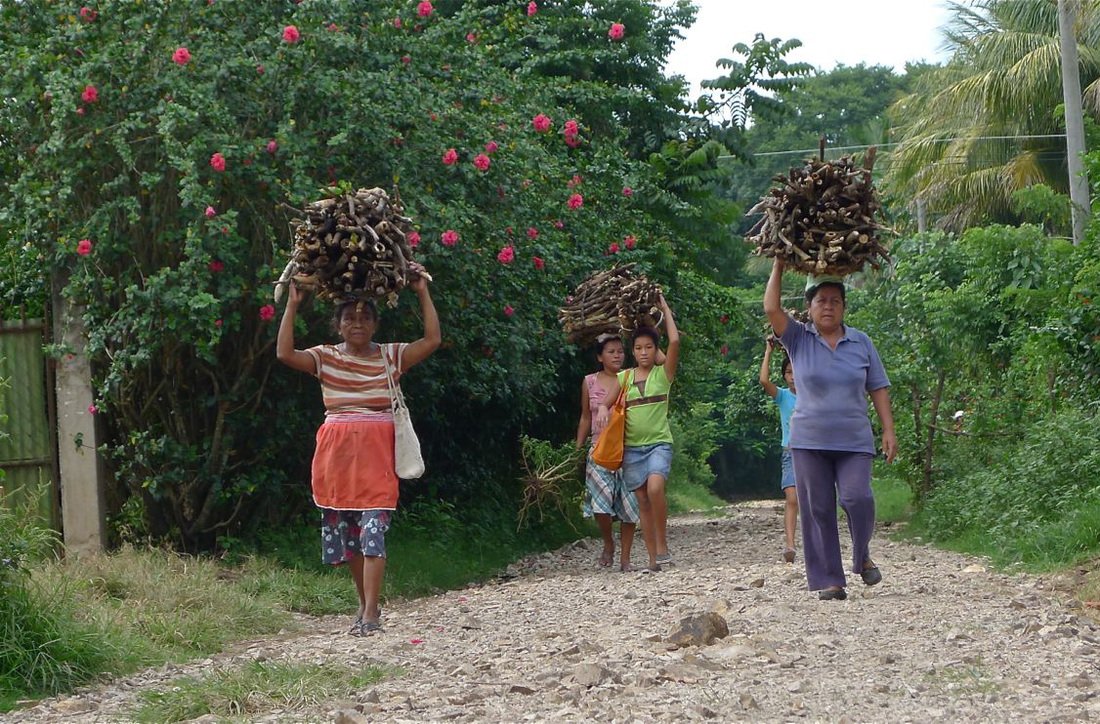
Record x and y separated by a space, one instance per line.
585 425
672 354
284 344
422 348
880 398
773 299
765 372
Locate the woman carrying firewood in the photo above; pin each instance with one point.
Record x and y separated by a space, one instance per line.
647 451
831 440
605 496
354 483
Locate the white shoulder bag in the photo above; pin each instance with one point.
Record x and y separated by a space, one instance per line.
408 463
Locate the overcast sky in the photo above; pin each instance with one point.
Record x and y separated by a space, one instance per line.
875 32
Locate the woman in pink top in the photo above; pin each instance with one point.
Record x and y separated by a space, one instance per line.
605 496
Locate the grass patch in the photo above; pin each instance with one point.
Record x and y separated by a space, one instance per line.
893 499
685 497
252 689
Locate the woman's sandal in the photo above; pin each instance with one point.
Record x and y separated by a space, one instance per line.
370 628
870 574
356 628
832 594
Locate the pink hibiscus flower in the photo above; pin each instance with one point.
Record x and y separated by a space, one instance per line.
449 237
507 255
291 34
532 233
210 212
84 247
482 162
267 312
627 191
491 147
616 31
397 23
508 311
272 146
216 266
629 241
413 238
541 123
538 262
87 14
532 8
90 94
217 162
471 37
424 9
613 248
182 56
92 409
575 201
450 157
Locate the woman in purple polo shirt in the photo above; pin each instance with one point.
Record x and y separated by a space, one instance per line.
831 439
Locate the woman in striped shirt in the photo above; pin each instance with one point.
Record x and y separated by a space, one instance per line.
354 483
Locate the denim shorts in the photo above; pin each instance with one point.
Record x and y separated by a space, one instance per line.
787 463
641 462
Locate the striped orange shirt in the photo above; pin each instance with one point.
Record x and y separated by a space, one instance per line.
356 385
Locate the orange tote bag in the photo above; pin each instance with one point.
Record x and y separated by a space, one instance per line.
608 452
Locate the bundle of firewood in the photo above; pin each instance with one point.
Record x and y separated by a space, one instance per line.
351 245
613 300
821 218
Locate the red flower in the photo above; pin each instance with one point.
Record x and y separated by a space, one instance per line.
291 34
532 8
92 409
629 241
471 37
613 248
482 162
571 128
80 111
267 312
84 247
725 350
541 123
217 322
397 22
507 255
216 266
416 641
532 233
217 162
576 201
449 237
424 9
627 191
182 56
90 94
559 224
575 181
333 27
617 31
450 157
272 146
508 311
413 238
211 212
406 59
538 262
724 318
87 14
572 141
259 70
491 147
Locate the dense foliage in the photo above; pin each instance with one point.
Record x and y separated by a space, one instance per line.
157 152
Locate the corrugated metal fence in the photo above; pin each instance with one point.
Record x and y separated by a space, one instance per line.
26 449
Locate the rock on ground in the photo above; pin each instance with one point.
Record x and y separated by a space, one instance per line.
941 638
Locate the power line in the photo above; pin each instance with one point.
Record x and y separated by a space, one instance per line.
891 145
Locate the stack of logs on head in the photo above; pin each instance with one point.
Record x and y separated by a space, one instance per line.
351 246
614 300
821 218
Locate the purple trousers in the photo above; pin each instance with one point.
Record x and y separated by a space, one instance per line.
820 475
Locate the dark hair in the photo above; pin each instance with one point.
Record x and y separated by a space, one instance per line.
602 341
786 365
341 307
646 332
811 293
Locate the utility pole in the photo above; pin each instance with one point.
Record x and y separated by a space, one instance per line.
1075 125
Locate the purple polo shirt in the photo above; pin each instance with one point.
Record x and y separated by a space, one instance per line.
831 410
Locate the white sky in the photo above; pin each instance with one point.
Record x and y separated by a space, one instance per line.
875 32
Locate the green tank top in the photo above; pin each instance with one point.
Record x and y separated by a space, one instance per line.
647 408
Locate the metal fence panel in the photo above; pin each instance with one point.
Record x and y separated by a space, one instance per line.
26 454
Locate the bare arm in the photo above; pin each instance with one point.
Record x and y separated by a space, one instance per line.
284 344
773 302
422 348
585 425
765 373
672 354
880 398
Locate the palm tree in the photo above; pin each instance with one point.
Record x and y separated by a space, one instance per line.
989 123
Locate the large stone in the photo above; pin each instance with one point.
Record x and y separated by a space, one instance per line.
698 630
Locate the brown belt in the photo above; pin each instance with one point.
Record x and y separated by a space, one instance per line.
646 400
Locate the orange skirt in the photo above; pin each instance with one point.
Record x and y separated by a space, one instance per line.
353 467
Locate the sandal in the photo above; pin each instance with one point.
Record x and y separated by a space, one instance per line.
788 555
870 574
369 628
606 559
356 628
665 559
832 594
